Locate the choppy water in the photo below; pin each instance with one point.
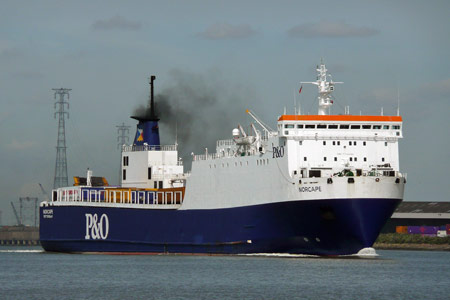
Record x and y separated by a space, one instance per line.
29 273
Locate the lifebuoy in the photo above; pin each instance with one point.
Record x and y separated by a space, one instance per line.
377 179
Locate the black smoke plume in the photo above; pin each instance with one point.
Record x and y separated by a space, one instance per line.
198 109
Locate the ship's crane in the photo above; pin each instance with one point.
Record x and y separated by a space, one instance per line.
270 132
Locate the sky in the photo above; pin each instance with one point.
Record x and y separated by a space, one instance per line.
212 60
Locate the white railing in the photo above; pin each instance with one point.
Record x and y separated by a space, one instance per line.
132 148
153 198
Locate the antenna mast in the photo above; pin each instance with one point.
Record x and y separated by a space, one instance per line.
325 88
60 178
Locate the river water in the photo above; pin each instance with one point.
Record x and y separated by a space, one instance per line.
30 273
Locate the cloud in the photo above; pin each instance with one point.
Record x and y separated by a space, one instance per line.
116 23
227 31
440 88
8 50
27 75
22 145
326 29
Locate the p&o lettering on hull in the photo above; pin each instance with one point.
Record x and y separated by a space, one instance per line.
96 229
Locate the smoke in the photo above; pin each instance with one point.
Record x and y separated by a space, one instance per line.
198 110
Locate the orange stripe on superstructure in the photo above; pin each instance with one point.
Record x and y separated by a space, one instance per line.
340 118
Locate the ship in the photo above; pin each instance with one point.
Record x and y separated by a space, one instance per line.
319 184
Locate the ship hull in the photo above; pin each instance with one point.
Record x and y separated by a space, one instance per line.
318 227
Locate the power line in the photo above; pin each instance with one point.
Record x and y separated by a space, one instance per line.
122 131
60 178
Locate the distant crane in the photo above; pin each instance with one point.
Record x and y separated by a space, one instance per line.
19 221
44 192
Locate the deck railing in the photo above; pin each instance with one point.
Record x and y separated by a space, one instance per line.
153 198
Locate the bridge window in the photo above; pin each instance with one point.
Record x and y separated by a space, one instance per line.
343 126
395 126
332 127
310 126
321 126
289 126
376 126
385 126
355 127
300 126
366 126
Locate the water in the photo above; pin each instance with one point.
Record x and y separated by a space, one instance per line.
29 273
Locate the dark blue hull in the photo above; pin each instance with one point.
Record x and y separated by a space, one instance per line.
320 227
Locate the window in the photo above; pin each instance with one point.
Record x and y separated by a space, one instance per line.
149 173
376 126
343 126
160 184
335 158
385 126
125 161
124 174
396 127
314 173
300 126
365 158
339 143
350 143
355 127
324 158
289 126
286 132
382 159
332 127
300 143
366 126
310 126
385 143
351 158
356 159
364 143
324 143
334 143
304 158
321 126
155 184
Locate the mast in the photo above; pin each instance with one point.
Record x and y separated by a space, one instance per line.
325 88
